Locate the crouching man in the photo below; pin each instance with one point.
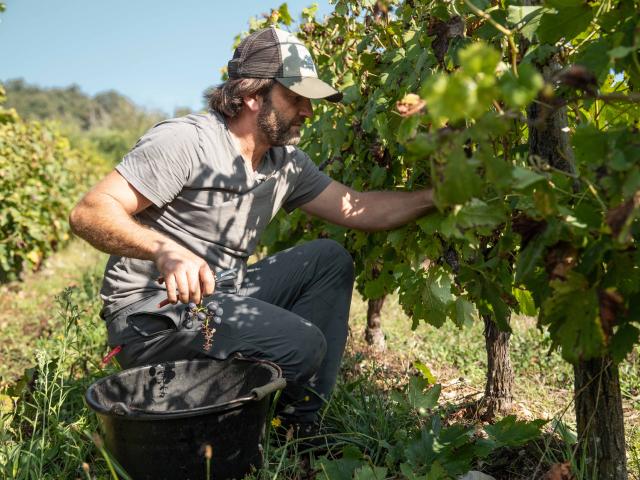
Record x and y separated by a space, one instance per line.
192 198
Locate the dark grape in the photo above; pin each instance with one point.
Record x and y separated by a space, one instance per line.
217 320
212 306
192 306
219 311
201 316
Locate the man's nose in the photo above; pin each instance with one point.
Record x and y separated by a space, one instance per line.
306 110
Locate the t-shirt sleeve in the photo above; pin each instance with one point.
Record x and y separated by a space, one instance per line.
309 184
162 161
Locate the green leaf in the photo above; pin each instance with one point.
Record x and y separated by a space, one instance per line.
524 178
425 372
430 223
285 16
572 312
479 58
623 341
343 468
463 313
379 286
567 22
422 146
519 92
447 98
408 472
620 52
526 19
460 184
437 472
476 213
594 57
422 400
378 175
436 296
368 472
525 302
509 432
500 311
529 258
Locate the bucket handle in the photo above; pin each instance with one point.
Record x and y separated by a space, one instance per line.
260 392
256 394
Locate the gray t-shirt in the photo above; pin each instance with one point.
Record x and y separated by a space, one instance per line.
205 197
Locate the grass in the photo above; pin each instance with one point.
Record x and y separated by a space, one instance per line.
46 430
544 381
26 307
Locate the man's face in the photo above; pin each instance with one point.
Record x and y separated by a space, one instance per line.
281 116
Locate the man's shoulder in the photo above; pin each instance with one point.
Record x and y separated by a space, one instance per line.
199 120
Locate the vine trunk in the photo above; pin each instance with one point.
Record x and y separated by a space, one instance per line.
599 418
373 334
498 393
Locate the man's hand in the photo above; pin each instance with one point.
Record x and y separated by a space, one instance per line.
104 218
187 277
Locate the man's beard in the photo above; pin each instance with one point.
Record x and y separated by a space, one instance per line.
277 130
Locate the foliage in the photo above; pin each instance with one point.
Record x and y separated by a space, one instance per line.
436 95
41 178
415 440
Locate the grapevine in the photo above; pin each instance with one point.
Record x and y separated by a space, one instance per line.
524 120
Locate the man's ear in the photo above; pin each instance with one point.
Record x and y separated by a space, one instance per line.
253 102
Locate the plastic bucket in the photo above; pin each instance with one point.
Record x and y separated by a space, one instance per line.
157 419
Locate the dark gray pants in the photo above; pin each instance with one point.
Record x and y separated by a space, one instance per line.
292 309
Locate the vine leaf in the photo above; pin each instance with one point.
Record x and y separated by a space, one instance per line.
509 432
572 315
529 258
526 19
570 18
460 183
437 296
463 312
477 213
623 341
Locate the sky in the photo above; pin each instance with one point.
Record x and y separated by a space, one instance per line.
161 54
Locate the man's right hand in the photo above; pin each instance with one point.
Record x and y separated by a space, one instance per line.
105 218
187 277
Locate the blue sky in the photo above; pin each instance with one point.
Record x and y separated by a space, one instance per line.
162 54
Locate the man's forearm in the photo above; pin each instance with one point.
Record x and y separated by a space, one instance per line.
109 228
375 211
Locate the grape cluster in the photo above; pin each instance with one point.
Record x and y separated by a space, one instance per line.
211 313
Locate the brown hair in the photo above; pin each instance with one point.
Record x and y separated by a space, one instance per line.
227 98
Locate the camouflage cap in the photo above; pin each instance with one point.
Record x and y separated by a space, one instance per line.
274 53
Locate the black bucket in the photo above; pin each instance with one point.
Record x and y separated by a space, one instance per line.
157 419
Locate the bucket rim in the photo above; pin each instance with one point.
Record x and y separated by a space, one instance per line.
137 415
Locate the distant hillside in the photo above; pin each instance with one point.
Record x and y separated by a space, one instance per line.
107 110
109 121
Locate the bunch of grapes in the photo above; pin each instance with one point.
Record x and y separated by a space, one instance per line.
212 312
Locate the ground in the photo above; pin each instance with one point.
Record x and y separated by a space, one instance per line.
455 357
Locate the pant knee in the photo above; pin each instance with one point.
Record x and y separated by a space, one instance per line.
307 355
335 256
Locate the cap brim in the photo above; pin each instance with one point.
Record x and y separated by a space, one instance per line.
311 87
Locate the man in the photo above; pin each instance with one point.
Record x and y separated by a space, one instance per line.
192 198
